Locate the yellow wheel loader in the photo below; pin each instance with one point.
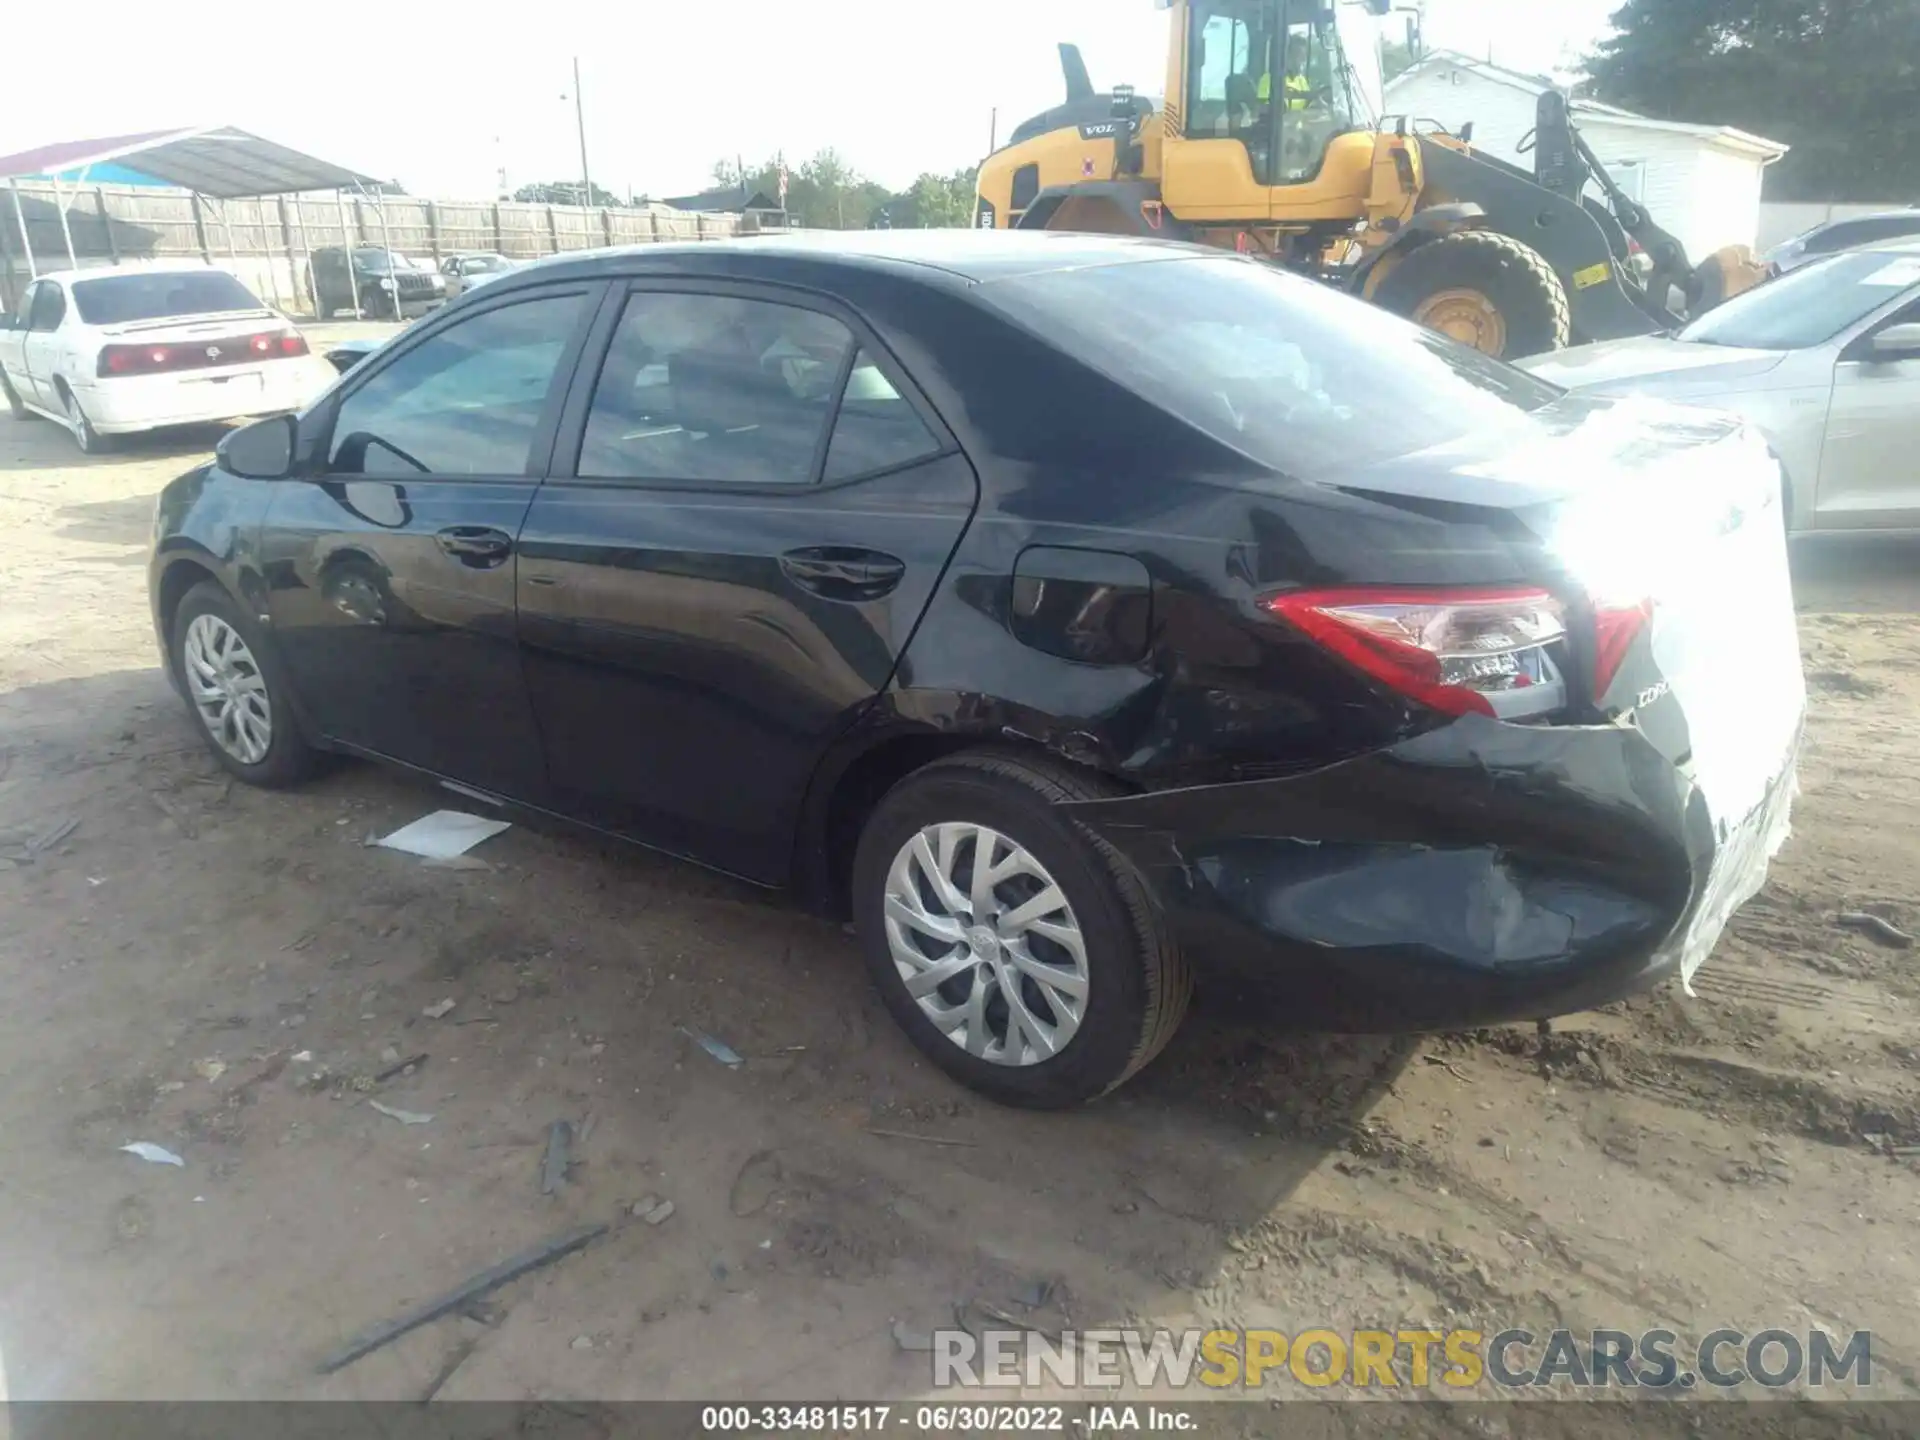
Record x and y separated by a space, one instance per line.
1270 141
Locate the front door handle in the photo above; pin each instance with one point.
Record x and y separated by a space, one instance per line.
840 572
479 546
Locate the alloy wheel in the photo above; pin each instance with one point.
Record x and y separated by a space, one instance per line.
986 944
229 692
84 434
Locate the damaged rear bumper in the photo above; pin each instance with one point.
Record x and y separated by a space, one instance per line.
1480 873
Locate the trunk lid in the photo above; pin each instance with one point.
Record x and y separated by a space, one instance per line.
219 325
1658 525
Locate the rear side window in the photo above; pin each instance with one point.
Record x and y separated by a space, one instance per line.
467 401
714 388
877 427
124 299
49 307
1283 369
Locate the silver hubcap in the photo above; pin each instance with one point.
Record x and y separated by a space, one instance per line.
228 689
986 944
77 420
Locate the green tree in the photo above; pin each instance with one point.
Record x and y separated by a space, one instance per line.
1836 79
565 192
1396 57
937 202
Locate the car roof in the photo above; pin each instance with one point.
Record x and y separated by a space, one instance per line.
966 257
1909 245
1910 216
132 267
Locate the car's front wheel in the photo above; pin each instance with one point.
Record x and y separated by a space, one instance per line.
1018 951
236 691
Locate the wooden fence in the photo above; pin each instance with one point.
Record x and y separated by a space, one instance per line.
266 241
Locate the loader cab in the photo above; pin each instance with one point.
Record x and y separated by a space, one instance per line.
1272 105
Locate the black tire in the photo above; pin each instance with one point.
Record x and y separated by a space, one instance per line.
1138 983
89 440
14 407
288 759
1512 277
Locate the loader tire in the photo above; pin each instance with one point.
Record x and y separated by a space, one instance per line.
1484 289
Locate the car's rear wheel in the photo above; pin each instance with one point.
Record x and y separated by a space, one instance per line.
90 441
1019 952
236 691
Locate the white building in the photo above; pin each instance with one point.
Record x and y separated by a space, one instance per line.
1700 182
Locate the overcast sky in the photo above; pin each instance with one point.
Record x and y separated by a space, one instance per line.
898 86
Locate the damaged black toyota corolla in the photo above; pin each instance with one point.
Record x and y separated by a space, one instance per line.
1076 614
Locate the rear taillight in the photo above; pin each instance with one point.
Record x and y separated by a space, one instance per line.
1615 628
1460 652
161 359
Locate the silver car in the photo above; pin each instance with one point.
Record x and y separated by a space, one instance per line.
1824 361
463 272
1852 233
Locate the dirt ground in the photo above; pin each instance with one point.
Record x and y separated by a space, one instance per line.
221 971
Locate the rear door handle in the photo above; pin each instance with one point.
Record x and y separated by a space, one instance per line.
839 572
480 546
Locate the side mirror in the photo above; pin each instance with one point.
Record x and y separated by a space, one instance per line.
1896 342
260 451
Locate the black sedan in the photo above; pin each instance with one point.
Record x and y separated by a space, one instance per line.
1075 614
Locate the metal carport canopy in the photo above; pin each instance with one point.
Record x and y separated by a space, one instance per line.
218 160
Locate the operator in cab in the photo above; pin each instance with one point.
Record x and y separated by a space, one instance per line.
1295 88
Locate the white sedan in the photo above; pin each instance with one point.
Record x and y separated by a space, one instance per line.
1824 360
114 351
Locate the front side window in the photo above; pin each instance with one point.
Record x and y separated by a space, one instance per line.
466 401
714 388
1319 92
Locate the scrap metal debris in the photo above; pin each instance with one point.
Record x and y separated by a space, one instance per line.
910 1340
718 1049
553 1167
923 1139
400 1067
158 1154
652 1209
443 834
462 1295
1875 928
445 1373
405 1117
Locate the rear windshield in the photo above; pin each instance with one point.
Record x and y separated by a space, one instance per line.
1285 370
122 299
1811 305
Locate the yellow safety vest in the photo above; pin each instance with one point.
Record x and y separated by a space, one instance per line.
1299 91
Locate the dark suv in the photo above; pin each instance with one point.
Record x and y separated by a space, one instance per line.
384 282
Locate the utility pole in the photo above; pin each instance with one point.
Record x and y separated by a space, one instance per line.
580 119
993 131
